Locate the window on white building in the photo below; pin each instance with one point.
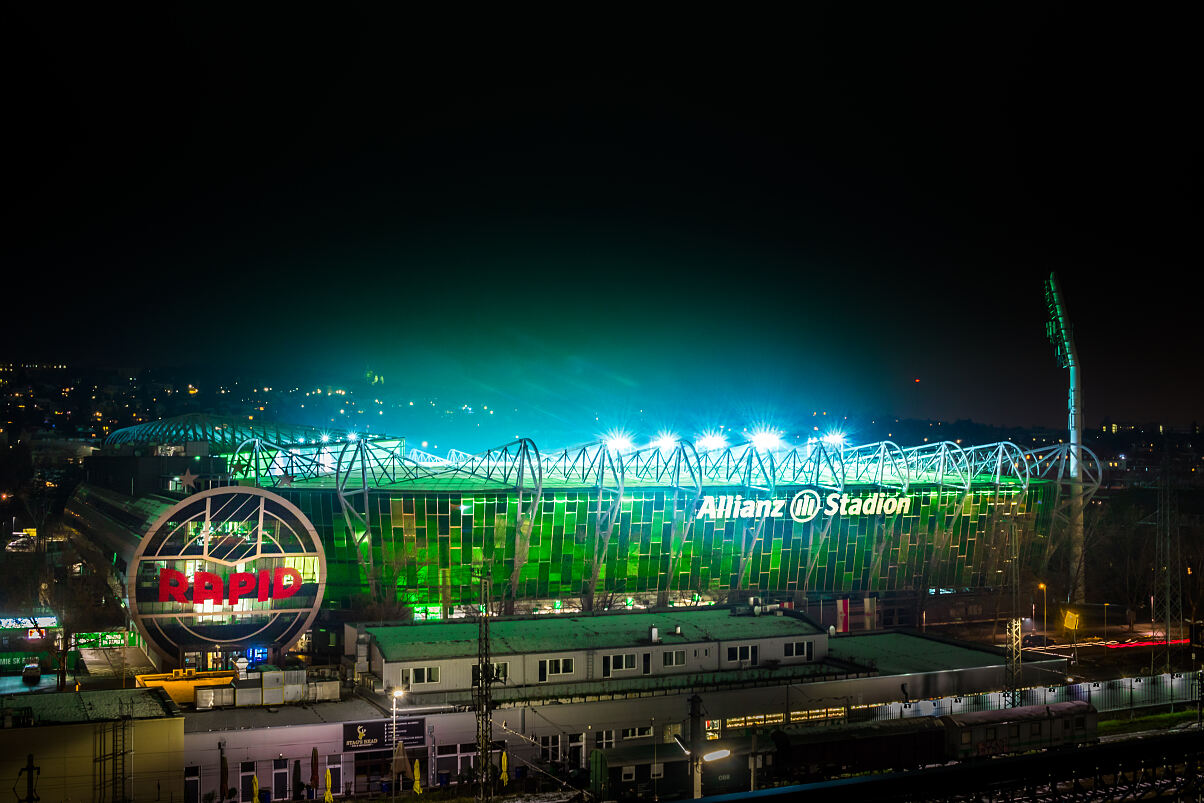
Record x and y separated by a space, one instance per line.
554 666
423 674
744 653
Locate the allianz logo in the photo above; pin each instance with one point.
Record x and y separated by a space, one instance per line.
804 506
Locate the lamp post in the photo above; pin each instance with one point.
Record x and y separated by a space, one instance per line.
397 695
1044 609
652 724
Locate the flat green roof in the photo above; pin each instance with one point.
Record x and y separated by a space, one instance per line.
564 633
906 653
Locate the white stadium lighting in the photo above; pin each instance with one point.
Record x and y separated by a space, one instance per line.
665 441
834 438
618 441
766 440
711 441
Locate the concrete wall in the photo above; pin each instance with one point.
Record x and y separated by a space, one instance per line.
76 759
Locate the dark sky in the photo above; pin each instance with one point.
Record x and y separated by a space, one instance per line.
749 217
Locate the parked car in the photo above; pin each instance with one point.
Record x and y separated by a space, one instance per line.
32 673
1036 640
20 544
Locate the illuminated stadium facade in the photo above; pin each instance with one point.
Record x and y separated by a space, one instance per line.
602 526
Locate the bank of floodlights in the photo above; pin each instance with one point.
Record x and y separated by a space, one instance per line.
666 442
766 440
618 441
711 441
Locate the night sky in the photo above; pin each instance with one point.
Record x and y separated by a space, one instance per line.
648 223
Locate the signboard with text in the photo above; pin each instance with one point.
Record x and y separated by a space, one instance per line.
364 736
411 731
229 568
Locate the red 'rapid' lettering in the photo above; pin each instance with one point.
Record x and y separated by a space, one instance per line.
173 585
207 586
279 589
241 584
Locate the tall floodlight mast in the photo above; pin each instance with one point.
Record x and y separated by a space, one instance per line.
1061 335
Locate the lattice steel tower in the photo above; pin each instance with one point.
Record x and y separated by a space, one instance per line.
483 697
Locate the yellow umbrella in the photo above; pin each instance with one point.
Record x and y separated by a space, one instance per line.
505 775
329 797
255 788
417 778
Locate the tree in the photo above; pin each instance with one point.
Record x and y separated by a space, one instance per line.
31 584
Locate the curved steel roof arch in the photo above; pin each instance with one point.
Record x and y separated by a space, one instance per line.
657 466
1054 463
272 464
516 464
940 463
740 464
587 465
882 464
1003 462
815 463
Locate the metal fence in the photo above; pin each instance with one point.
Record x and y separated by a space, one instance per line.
1106 695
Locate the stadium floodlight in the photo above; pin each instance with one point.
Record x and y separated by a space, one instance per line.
618 441
325 437
665 441
834 438
766 440
351 436
711 441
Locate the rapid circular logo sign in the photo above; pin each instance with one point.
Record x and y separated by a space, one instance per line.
805 506
224 569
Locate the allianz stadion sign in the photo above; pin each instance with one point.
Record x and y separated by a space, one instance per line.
804 506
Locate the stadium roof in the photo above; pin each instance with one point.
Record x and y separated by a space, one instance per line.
275 456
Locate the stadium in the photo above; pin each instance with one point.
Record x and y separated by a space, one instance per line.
599 526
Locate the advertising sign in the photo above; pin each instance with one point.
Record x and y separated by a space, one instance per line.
230 568
411 731
803 506
364 736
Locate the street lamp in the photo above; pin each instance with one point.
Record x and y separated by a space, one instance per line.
397 695
1044 609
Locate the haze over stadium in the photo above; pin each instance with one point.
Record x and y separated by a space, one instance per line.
844 218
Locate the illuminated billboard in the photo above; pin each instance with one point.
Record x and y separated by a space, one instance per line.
227 570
